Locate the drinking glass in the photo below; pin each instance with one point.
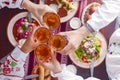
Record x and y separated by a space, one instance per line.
43 52
52 20
42 34
58 42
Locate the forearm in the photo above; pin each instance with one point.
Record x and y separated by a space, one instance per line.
105 14
13 65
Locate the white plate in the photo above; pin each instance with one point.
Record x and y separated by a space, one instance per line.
11 25
98 61
86 8
70 15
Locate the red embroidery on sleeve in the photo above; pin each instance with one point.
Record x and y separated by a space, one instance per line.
13 1
17 69
13 58
6 63
7 3
6 70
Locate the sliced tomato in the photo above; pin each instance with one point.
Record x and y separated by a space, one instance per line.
84 59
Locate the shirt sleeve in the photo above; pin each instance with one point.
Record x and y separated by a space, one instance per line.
11 3
113 56
104 14
13 67
66 75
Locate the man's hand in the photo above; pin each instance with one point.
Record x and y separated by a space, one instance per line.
31 43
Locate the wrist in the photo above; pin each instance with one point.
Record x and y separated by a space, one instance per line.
27 4
83 30
25 49
57 70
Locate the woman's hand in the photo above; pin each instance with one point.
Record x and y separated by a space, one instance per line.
74 39
38 10
31 43
52 64
41 10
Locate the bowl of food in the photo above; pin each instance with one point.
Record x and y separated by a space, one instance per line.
93 46
19 28
88 11
66 9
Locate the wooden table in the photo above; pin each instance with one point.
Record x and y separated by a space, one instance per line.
5 46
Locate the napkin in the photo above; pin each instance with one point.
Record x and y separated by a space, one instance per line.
92 78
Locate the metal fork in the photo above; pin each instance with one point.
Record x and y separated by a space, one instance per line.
29 16
30 76
92 67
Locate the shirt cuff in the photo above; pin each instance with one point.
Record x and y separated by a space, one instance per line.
57 74
19 4
17 54
90 29
64 71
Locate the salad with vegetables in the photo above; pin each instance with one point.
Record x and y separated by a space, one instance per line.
22 28
89 48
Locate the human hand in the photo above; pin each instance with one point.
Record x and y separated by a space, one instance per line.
74 39
52 64
38 10
31 43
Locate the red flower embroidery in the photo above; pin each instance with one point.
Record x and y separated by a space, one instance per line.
110 52
13 1
114 43
7 3
6 63
6 70
17 69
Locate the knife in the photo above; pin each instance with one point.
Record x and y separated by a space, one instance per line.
30 76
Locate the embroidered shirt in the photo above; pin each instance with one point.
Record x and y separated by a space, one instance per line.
14 65
11 3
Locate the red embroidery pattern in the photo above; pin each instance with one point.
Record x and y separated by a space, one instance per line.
6 2
6 70
17 69
9 66
13 1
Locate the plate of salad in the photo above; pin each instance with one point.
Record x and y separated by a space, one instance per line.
93 46
20 27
